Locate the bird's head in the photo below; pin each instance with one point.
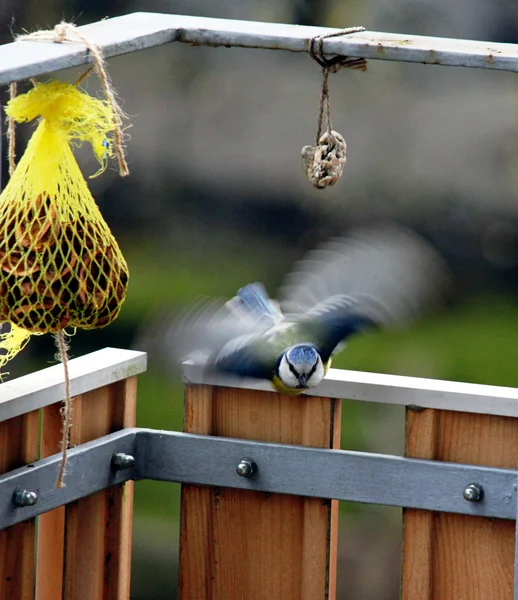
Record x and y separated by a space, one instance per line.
300 367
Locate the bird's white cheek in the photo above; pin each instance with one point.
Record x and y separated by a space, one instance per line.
286 376
317 376
290 380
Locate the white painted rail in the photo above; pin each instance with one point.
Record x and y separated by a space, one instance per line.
137 31
88 372
388 389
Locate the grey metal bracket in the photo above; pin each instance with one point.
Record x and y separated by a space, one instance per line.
276 468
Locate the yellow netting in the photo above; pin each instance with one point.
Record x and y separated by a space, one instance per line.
60 266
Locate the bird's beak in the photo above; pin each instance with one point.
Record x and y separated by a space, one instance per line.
303 379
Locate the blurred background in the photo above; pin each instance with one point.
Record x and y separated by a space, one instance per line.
217 198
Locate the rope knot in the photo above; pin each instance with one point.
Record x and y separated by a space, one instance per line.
68 32
335 63
61 31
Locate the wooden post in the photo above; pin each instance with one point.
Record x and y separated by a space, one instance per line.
459 557
82 550
98 527
19 438
238 544
51 525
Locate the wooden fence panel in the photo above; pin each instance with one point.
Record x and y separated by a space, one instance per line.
19 439
98 527
37 556
243 544
459 557
51 525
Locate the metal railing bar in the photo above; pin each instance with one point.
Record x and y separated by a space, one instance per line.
88 470
137 31
297 470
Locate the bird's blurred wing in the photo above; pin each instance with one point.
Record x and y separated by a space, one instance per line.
388 272
246 356
200 333
330 323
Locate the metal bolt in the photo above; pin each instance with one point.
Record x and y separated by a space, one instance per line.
121 461
246 467
474 492
24 498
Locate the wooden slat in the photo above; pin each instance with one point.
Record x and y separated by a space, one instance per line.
243 544
19 440
457 557
98 528
51 525
335 506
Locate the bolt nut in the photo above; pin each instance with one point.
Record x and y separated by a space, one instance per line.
474 492
121 461
23 498
246 467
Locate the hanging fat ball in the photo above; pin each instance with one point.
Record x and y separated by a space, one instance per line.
324 163
373 278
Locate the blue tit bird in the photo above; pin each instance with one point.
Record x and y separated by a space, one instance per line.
369 279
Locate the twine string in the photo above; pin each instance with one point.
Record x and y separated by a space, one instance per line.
331 65
11 132
66 409
68 32
325 107
81 78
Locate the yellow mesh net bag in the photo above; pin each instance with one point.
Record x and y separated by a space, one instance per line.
60 266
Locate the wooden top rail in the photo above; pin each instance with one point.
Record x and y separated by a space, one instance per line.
388 389
87 373
137 31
